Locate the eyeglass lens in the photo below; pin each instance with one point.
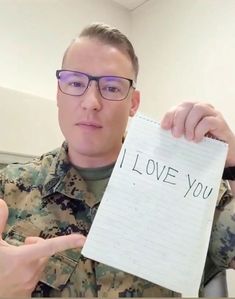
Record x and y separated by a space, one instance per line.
110 87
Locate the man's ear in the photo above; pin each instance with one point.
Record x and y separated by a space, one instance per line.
57 96
135 102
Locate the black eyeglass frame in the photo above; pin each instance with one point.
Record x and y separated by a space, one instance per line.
95 78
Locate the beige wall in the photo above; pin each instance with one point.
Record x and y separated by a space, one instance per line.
34 35
186 50
28 123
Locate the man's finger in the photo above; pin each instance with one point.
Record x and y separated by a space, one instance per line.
3 215
33 240
51 246
167 121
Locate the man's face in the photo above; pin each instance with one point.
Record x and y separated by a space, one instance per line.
93 126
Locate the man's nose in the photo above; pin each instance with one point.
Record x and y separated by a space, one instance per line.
91 99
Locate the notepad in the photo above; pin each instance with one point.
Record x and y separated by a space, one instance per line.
155 217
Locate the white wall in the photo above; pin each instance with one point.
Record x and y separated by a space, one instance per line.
28 123
186 52
34 35
231 282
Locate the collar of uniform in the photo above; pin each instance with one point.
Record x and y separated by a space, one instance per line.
64 178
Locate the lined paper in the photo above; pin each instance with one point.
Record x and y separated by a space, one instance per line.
155 218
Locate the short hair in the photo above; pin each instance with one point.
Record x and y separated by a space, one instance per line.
111 36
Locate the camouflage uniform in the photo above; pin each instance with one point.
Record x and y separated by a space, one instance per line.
48 198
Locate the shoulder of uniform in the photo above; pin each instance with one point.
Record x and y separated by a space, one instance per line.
33 172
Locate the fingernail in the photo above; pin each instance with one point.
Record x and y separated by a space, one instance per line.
165 124
176 132
81 241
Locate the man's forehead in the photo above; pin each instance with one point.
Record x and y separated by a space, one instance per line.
91 49
86 43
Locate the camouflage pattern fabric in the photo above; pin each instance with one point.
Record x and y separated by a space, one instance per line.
222 242
48 198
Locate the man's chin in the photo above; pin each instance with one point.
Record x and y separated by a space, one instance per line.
88 151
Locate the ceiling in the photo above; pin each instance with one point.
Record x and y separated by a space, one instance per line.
130 4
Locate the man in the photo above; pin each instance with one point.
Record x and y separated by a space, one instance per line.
52 200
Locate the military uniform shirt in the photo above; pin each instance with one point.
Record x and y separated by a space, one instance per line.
47 197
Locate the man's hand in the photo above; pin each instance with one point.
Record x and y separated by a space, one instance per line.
196 120
21 267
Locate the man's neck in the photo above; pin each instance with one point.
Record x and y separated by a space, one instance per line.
85 161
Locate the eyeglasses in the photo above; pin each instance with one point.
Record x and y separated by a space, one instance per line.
112 88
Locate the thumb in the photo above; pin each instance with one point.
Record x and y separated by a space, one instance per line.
3 215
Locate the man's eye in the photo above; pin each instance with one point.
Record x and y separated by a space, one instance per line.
112 89
76 84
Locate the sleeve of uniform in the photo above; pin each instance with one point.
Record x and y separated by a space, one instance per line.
222 243
2 180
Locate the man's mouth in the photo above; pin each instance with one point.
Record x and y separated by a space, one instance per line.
89 124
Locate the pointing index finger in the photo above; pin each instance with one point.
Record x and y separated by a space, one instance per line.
51 246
